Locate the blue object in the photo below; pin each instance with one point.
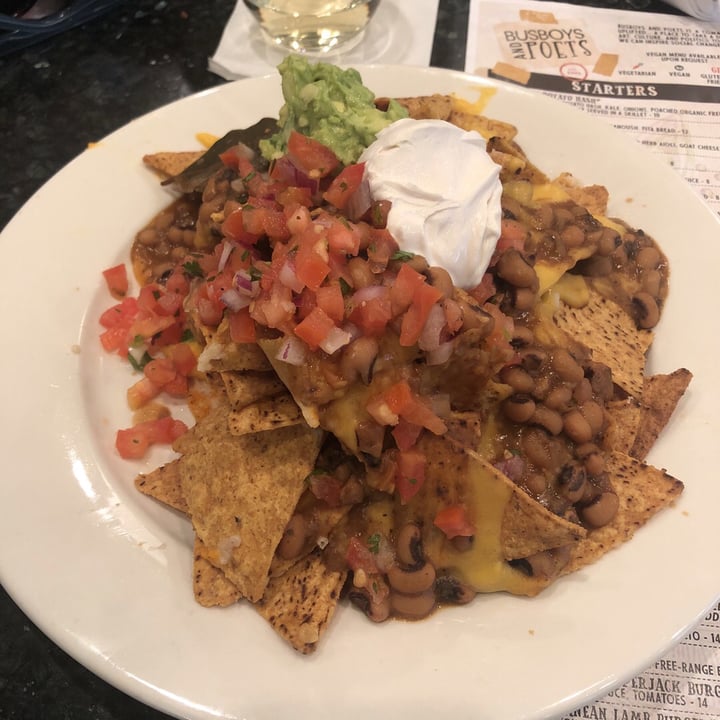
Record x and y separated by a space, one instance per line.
17 32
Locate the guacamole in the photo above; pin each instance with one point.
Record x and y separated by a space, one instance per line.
330 105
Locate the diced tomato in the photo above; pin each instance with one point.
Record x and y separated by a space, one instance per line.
292 196
382 246
242 326
403 288
344 238
142 392
160 371
177 283
134 442
373 315
454 522
344 185
513 234
410 474
178 386
116 339
117 280
414 320
148 326
311 268
330 299
359 557
231 157
485 290
210 312
406 434
378 213
311 156
325 487
183 357
406 404
314 328
233 227
121 314
170 304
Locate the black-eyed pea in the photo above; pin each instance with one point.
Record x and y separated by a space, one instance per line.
601 510
646 310
559 398
519 408
648 257
408 545
594 414
565 365
293 539
517 378
576 427
412 607
413 581
572 236
549 419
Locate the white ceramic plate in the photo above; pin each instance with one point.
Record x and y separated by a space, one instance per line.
105 572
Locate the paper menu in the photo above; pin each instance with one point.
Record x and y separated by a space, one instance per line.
654 76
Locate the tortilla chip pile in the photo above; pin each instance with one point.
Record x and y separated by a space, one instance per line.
241 471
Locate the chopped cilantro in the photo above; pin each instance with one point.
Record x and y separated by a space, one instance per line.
187 335
345 288
373 543
402 255
192 268
254 273
141 363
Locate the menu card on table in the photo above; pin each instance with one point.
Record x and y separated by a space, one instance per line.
656 77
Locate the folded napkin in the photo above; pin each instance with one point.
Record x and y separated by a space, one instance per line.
399 33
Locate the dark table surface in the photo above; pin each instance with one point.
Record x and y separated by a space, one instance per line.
55 97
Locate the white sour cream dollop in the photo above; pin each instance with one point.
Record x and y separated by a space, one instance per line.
445 193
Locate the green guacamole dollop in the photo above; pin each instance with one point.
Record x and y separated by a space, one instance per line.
330 105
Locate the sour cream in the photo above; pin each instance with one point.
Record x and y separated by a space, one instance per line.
445 193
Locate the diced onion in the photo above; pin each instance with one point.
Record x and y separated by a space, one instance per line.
335 339
429 339
288 277
441 354
244 284
360 201
228 247
293 351
235 300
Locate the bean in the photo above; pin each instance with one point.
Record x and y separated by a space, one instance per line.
519 408
414 606
536 484
522 337
449 589
576 427
537 448
358 359
601 510
559 398
608 242
517 378
293 539
418 263
571 481
475 318
648 258
645 309
515 269
583 391
594 414
409 545
532 358
549 419
148 236
440 279
651 281
360 273
376 611
411 582
572 236
562 217
565 365
523 299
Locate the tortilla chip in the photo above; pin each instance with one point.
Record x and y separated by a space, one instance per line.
169 164
643 491
610 333
660 397
164 485
245 388
624 418
210 585
428 107
592 197
276 412
487 127
300 604
242 491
